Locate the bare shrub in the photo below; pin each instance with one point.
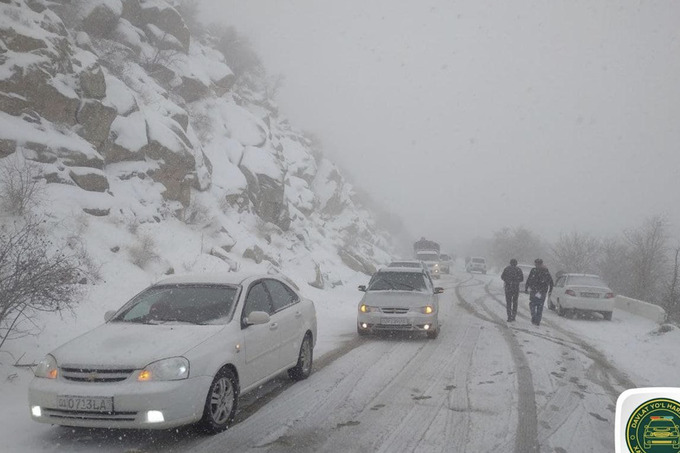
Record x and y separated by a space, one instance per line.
576 252
21 186
648 258
36 276
519 243
144 251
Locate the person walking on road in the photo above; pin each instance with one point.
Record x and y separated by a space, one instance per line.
539 285
512 276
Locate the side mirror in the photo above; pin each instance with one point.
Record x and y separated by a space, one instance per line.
362 288
438 290
108 315
257 317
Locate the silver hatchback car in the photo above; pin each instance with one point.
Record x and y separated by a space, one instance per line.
399 299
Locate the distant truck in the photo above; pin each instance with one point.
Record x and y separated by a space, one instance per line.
428 252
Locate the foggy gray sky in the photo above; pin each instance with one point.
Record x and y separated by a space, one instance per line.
465 117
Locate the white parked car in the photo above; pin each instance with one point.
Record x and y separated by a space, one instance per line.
476 264
399 299
445 263
182 351
582 293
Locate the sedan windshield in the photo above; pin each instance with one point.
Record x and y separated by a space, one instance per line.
398 281
193 304
585 280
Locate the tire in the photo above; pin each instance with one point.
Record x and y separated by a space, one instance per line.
221 403
432 334
362 332
607 315
305 359
560 311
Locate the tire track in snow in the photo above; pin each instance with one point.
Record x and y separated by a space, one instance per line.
526 435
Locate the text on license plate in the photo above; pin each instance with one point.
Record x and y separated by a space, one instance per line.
593 295
394 321
85 403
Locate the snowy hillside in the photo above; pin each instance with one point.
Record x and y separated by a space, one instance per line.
156 159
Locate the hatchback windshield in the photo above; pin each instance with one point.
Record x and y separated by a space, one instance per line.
585 280
194 304
398 281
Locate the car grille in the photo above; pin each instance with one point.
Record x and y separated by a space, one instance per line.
83 415
95 374
399 311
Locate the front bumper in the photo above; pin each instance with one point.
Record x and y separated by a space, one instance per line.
393 322
181 402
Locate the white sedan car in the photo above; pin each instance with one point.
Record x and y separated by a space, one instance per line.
399 299
180 352
582 293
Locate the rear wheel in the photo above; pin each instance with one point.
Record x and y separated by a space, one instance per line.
221 402
304 364
607 315
551 306
560 310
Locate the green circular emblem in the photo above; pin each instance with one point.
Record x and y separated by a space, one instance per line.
654 427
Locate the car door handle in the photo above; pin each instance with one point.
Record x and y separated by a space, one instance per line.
273 326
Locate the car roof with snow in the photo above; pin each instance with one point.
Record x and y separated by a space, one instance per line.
418 270
576 274
219 278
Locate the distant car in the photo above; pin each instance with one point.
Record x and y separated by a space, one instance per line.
575 293
409 263
526 268
445 263
476 264
431 258
180 352
399 299
661 430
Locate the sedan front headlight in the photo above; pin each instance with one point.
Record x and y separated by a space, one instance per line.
368 309
172 369
428 309
47 368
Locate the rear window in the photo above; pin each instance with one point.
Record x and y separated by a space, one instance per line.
478 260
584 280
398 281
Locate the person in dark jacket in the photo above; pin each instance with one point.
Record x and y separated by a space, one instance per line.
512 276
539 284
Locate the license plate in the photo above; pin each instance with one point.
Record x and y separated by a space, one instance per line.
85 403
394 321
591 295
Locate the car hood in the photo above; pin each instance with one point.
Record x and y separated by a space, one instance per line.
397 299
126 345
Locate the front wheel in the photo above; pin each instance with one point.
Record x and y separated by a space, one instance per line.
560 311
432 334
607 315
551 306
221 402
304 364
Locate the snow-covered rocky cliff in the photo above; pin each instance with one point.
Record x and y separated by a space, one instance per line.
155 156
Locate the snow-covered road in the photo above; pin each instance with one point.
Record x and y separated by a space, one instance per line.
481 386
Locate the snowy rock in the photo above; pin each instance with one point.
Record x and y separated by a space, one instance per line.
120 96
128 138
165 18
102 17
95 121
162 39
319 280
356 262
7 147
243 126
19 42
89 179
192 89
13 103
93 82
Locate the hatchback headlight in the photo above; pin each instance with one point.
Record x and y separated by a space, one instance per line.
172 369
367 308
428 309
47 368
